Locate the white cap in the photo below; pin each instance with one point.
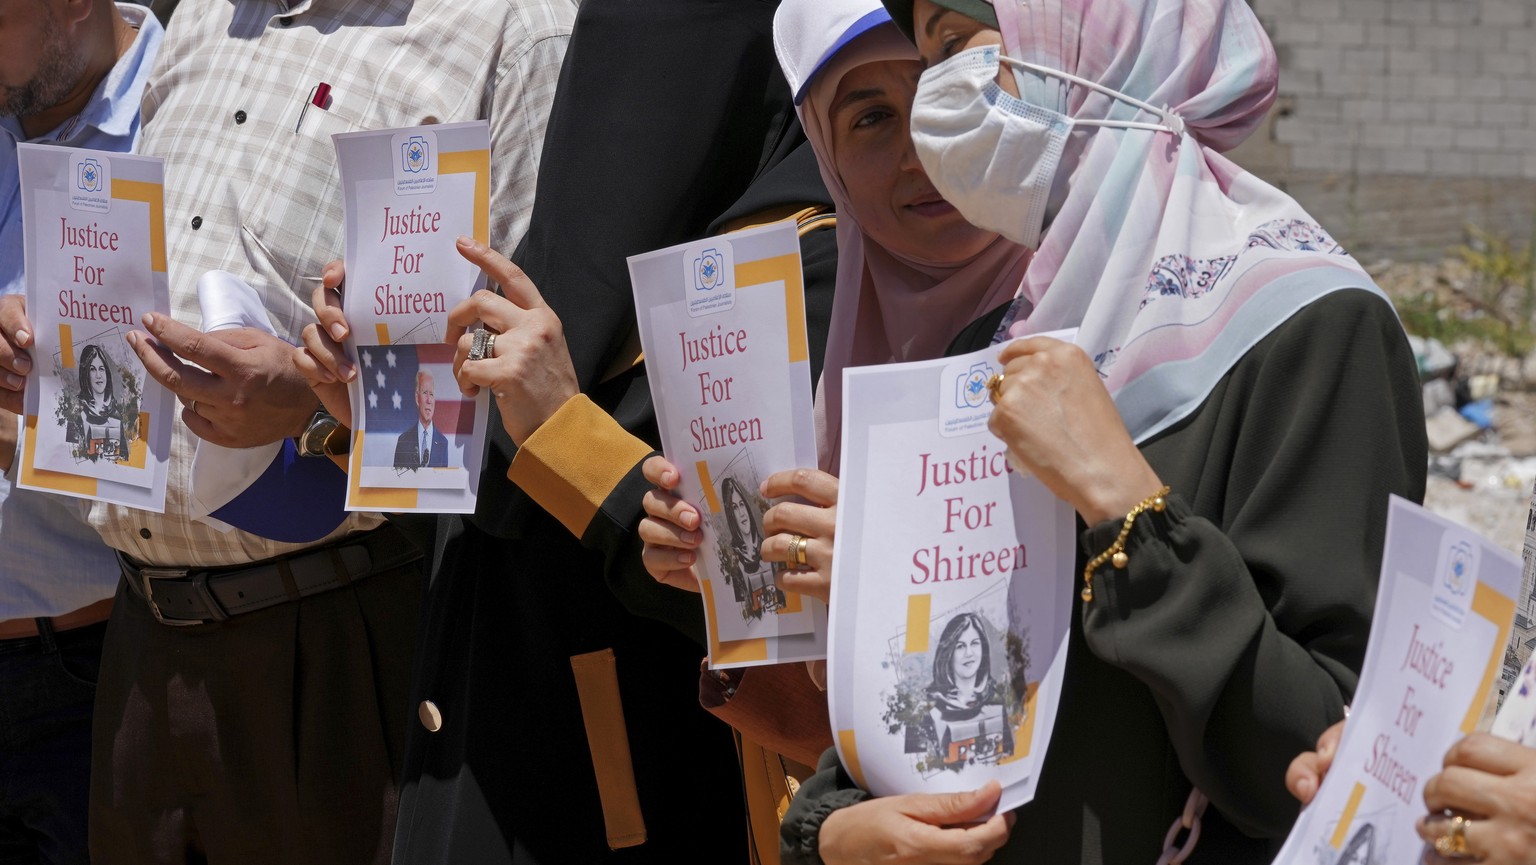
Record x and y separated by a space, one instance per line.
807 33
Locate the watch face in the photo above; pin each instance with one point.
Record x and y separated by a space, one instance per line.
314 437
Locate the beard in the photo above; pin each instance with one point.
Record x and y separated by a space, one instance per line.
58 71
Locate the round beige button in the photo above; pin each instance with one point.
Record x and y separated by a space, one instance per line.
430 717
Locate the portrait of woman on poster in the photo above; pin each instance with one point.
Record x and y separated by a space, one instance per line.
966 721
745 528
98 429
741 523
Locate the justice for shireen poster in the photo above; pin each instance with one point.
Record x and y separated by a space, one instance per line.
96 426
722 322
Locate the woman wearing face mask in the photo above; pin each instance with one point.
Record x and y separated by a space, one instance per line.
1239 402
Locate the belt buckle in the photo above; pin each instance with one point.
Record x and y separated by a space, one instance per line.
147 576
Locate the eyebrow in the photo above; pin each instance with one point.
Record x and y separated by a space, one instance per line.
932 22
857 96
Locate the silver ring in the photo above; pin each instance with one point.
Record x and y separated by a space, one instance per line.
483 346
192 406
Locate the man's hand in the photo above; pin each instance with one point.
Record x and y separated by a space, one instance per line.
322 359
247 392
15 363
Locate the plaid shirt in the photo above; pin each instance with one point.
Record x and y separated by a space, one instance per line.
247 194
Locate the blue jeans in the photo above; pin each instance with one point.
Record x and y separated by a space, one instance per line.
47 686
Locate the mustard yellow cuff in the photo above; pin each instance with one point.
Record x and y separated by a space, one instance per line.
571 464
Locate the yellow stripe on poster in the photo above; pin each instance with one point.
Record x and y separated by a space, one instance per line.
1024 734
708 484
1494 607
478 162
152 194
919 611
64 483
785 268
1341 831
742 652
735 651
375 498
848 744
67 346
381 332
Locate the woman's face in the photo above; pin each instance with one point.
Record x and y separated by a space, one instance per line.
966 660
97 369
888 190
942 33
742 517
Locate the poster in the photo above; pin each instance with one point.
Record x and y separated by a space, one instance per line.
96 425
409 194
950 590
1443 614
722 323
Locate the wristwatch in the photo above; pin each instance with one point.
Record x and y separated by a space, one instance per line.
325 436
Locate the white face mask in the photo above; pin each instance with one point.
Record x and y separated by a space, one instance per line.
993 156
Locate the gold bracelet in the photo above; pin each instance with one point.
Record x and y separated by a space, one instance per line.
1116 552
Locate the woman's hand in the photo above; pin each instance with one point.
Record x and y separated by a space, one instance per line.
529 371
1492 783
786 522
917 828
1307 771
1060 424
321 359
670 529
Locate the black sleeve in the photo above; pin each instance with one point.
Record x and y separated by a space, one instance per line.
1246 605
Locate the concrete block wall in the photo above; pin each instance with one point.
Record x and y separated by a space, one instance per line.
1443 87
1401 122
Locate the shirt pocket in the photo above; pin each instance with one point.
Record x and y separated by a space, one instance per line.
290 214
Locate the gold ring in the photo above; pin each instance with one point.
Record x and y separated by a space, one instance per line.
797 545
995 387
1453 844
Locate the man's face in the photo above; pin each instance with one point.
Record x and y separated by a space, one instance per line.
37 66
426 400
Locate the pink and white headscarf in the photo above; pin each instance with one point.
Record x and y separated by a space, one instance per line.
1170 259
887 307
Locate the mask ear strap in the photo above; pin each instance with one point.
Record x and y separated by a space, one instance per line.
1171 121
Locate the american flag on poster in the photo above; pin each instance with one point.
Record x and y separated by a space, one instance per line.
388 377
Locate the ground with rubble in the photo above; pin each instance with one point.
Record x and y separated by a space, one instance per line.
1481 469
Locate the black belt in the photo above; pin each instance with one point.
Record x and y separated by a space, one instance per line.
193 596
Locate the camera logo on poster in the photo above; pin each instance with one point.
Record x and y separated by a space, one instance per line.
708 270
89 175
709 275
92 183
1455 579
971 386
415 162
964 404
413 155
